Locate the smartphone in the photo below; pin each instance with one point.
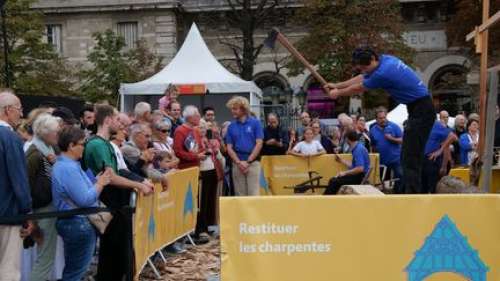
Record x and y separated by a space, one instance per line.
210 134
150 144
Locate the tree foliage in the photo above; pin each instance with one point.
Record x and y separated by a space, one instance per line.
112 65
248 16
34 67
467 15
336 28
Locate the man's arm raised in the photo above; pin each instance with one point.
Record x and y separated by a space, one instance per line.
346 92
344 84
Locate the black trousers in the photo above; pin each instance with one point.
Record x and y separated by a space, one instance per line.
421 117
116 252
116 256
430 175
336 183
207 202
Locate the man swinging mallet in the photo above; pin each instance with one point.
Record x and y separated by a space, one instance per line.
402 83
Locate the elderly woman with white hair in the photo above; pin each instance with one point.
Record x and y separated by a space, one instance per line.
187 140
211 173
161 137
40 156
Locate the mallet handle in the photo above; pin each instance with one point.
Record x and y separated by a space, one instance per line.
282 39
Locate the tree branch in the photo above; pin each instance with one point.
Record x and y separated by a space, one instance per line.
230 45
233 8
257 51
262 16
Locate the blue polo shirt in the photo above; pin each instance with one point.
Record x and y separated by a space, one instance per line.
243 136
360 157
438 135
399 80
390 153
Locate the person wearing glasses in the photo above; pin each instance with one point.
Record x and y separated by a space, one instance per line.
72 188
161 137
139 154
405 87
15 196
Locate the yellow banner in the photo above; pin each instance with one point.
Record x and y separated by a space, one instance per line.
165 216
464 174
354 238
279 173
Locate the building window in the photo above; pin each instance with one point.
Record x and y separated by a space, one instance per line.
54 37
128 30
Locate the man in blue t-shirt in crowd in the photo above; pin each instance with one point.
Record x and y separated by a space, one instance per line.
358 168
402 83
386 138
437 155
244 141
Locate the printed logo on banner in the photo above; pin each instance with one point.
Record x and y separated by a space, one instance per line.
188 201
263 182
447 250
152 223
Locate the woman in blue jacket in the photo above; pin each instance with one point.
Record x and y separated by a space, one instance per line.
468 143
71 189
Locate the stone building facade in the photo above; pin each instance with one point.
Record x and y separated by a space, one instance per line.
164 24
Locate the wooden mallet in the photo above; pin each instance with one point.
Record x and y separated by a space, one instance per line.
275 35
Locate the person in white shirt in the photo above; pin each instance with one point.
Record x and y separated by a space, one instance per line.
308 147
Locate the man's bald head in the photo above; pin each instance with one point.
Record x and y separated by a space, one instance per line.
124 119
444 116
11 110
7 98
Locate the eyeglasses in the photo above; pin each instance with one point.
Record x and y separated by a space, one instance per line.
165 131
18 108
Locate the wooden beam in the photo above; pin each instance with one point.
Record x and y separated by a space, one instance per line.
483 80
495 68
486 25
490 133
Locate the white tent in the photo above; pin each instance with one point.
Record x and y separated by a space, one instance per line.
193 64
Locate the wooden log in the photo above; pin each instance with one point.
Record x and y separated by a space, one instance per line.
359 190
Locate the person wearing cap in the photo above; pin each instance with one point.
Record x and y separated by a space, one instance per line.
405 87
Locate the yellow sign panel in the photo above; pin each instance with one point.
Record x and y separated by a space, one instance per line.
354 238
279 173
464 174
165 216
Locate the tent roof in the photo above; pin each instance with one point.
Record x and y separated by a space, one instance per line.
193 64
